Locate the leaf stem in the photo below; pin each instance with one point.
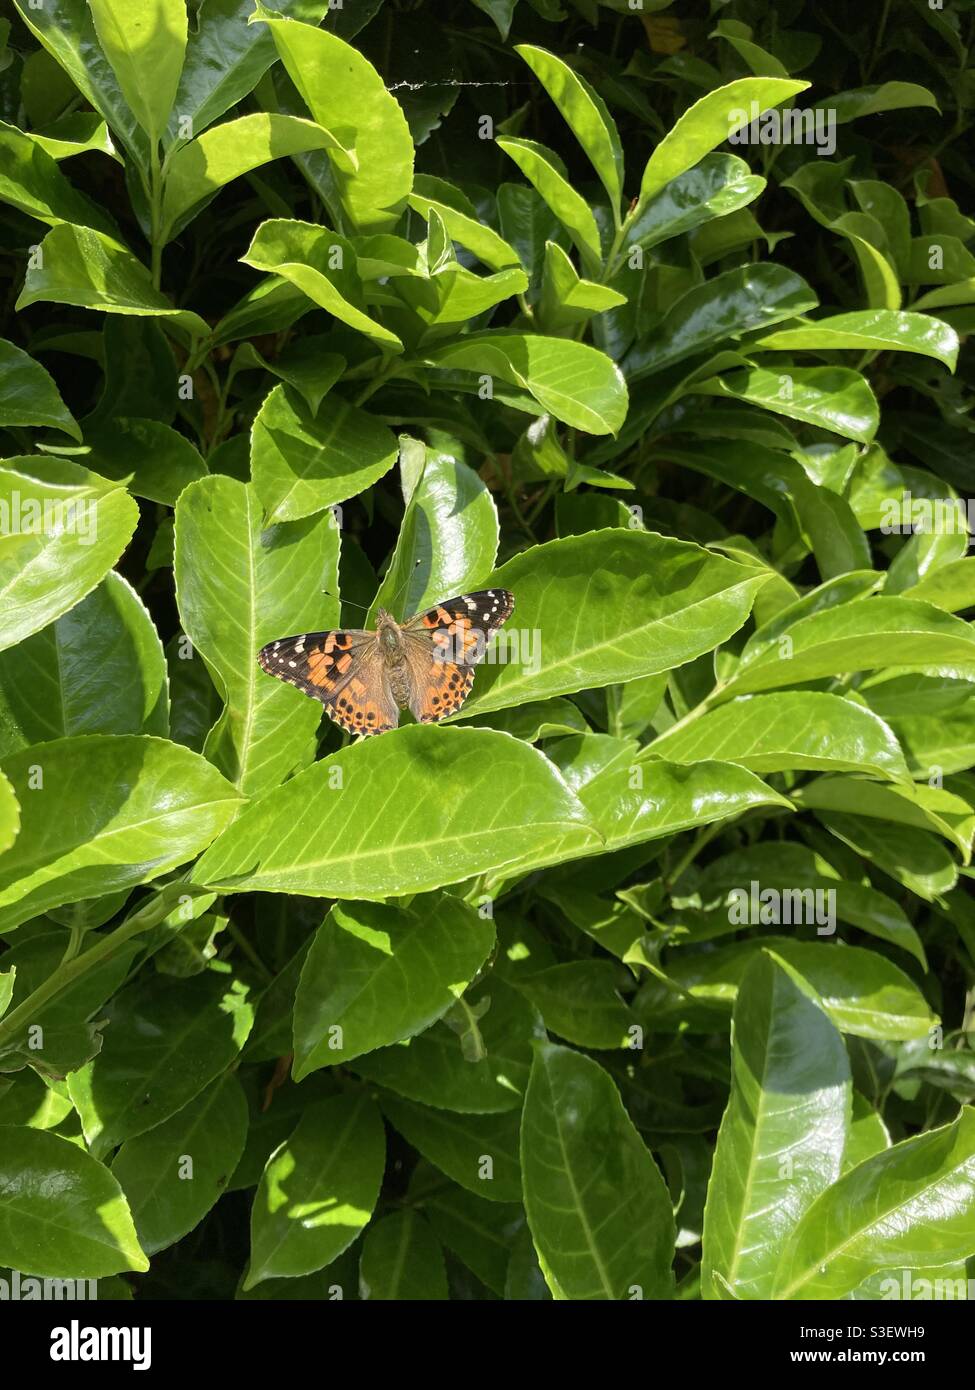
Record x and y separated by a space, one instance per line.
146 917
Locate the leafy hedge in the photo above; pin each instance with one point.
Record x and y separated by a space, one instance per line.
649 974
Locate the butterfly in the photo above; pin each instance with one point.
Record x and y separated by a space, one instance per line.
425 665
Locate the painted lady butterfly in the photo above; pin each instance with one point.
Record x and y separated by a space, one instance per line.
425 665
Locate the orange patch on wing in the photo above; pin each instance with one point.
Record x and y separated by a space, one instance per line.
319 666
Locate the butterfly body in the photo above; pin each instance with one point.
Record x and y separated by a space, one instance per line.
425 664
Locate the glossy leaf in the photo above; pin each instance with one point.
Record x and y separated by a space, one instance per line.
63 530
99 669
903 1207
402 1259
47 1181
874 330
144 41
239 586
572 381
303 461
201 168
644 604
165 1042
710 122
775 733
884 632
323 266
318 1190
100 813
448 539
450 830
83 267
586 114
375 975
343 91
489 1077
833 398
599 1211
783 1135
173 1174
480 1152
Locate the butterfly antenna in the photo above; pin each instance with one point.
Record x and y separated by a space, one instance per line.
365 609
406 583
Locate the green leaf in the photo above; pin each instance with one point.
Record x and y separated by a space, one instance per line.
599 1211
868 101
99 669
480 1233
76 265
708 123
878 632
101 813
434 1070
318 1190
461 221
720 184
914 804
345 93
789 730
240 586
782 1138
9 814
67 31
377 974
402 1259
574 382
737 301
587 116
304 461
151 459
452 827
542 169
323 266
909 1206
832 398
869 330
176 1172
63 530
200 169
448 538
863 993
80 1229
643 603
144 41
165 1042
226 56
31 181
640 798
30 397
579 1000
478 1151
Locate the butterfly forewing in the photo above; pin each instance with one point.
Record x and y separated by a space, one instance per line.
344 670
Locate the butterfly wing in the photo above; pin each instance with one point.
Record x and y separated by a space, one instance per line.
344 670
444 645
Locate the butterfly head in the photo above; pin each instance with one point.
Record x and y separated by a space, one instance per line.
388 631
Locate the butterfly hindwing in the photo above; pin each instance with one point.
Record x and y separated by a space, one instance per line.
342 669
